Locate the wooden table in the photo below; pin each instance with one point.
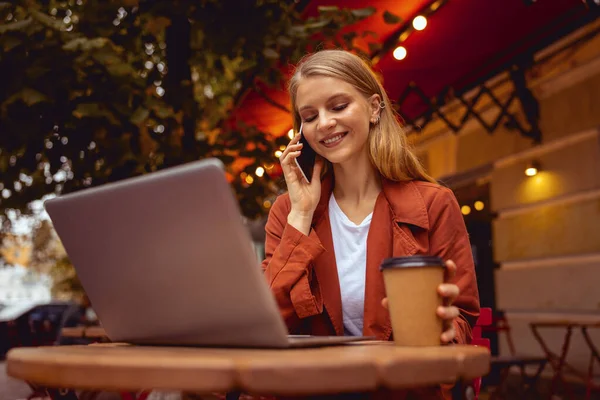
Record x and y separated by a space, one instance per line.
87 332
347 368
558 361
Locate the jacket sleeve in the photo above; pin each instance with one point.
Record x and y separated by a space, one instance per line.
449 240
289 255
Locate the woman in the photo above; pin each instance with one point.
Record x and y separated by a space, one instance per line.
326 239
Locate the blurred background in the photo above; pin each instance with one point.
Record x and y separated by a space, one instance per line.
501 101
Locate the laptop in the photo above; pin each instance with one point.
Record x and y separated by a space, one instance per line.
166 259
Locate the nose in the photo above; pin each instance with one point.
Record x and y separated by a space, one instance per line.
326 122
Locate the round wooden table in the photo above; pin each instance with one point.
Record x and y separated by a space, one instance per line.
88 332
346 368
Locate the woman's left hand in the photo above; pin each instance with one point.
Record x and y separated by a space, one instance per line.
447 312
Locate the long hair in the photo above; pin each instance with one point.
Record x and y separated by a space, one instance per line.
388 145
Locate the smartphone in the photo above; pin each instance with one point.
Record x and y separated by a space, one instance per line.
306 160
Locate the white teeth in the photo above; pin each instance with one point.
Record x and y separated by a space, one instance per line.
333 139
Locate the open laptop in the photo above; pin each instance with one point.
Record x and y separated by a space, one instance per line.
166 259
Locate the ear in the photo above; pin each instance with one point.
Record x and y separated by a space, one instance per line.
375 106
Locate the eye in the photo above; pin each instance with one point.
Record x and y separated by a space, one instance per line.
310 119
340 107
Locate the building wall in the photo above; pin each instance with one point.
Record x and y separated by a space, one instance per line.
546 235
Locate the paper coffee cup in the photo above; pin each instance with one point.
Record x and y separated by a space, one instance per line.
411 285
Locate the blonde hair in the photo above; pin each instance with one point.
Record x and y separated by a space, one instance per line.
388 145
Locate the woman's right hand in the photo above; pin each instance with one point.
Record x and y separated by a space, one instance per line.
304 196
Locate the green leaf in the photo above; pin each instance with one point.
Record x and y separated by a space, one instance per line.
297 31
284 41
106 57
246 64
9 42
364 12
374 47
327 9
15 26
139 116
28 96
48 21
369 33
349 38
85 44
390 18
270 53
318 24
229 67
94 110
164 112
32 96
120 69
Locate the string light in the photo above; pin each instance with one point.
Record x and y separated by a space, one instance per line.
479 205
260 171
465 210
400 53
278 153
419 23
291 133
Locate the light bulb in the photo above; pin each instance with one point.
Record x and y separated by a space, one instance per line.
419 23
400 53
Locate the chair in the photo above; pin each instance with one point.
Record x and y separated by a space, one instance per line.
471 390
499 324
485 319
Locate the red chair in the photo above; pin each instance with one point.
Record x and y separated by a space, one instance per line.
485 319
496 322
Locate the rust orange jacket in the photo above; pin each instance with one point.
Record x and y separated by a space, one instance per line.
409 218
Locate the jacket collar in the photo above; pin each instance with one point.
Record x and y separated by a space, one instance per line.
405 201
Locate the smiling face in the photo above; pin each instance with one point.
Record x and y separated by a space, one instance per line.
335 117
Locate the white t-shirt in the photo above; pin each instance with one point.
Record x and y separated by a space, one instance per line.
350 246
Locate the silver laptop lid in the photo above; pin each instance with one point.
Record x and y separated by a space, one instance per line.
165 258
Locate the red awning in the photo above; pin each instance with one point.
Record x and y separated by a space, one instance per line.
464 41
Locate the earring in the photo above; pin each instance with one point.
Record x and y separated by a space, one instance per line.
375 120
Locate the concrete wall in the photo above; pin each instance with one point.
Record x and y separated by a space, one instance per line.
552 216
546 235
